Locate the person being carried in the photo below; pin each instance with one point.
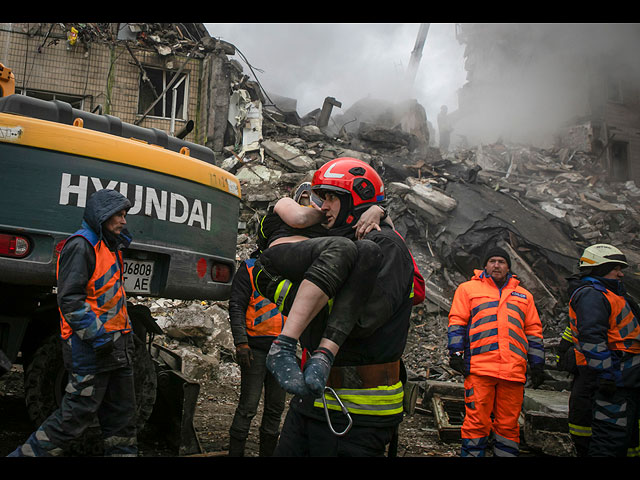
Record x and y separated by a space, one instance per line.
359 412
301 269
255 323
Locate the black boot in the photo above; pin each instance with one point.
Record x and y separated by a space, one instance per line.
236 447
268 444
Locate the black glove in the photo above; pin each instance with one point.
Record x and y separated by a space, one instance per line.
457 362
244 357
537 376
606 387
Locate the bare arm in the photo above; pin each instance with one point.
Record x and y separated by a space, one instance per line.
296 215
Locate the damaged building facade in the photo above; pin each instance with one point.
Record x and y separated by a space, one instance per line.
576 83
542 172
171 77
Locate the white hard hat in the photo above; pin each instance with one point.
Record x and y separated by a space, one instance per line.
600 254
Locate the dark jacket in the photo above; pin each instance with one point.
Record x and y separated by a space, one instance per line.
592 311
76 266
381 333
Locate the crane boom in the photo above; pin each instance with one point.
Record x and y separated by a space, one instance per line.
416 53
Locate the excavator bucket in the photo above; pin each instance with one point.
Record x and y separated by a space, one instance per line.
176 398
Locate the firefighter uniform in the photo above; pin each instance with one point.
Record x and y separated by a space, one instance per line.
366 380
359 413
497 331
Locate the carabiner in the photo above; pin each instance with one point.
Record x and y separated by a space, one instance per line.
344 411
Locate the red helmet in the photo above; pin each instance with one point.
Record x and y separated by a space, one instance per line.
352 176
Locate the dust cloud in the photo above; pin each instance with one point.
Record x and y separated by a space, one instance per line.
525 81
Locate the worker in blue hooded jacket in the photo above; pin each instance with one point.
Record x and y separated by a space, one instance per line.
96 333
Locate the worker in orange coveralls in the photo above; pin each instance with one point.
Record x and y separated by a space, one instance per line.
494 329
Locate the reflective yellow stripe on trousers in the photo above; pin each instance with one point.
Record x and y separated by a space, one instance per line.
383 400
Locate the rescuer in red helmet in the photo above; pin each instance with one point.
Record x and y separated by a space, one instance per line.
358 414
303 270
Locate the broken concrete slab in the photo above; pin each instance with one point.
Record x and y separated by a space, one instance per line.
290 157
257 174
545 422
434 197
425 210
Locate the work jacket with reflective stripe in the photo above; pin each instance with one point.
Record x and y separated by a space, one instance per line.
263 318
606 333
104 309
498 330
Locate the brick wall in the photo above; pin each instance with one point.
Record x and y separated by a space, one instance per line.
102 74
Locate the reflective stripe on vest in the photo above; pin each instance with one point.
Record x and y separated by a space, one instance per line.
263 318
105 303
382 400
515 316
623 334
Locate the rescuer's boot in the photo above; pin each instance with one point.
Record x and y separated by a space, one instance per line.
236 447
268 444
317 369
283 365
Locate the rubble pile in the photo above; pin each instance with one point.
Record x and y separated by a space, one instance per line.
542 205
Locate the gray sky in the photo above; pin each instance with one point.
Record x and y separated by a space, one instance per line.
311 61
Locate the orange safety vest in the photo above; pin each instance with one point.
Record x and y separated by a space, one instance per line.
623 333
106 297
263 317
499 330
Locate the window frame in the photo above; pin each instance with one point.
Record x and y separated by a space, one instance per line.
76 101
182 83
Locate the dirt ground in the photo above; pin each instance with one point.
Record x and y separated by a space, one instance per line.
215 408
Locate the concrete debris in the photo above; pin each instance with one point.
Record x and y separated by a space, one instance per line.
289 156
543 205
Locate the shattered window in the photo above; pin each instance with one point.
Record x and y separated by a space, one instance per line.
74 100
174 99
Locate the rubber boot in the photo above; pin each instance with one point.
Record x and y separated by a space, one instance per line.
317 369
236 447
283 365
268 444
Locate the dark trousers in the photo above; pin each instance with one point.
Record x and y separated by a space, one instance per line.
580 408
109 395
304 436
344 270
614 425
254 379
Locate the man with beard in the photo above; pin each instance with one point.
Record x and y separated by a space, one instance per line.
494 329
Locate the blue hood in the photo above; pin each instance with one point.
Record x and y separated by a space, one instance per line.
102 205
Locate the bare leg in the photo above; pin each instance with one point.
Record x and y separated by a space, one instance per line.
309 300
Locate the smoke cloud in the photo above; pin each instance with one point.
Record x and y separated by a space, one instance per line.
525 81
309 62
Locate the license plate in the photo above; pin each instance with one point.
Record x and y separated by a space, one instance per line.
137 276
